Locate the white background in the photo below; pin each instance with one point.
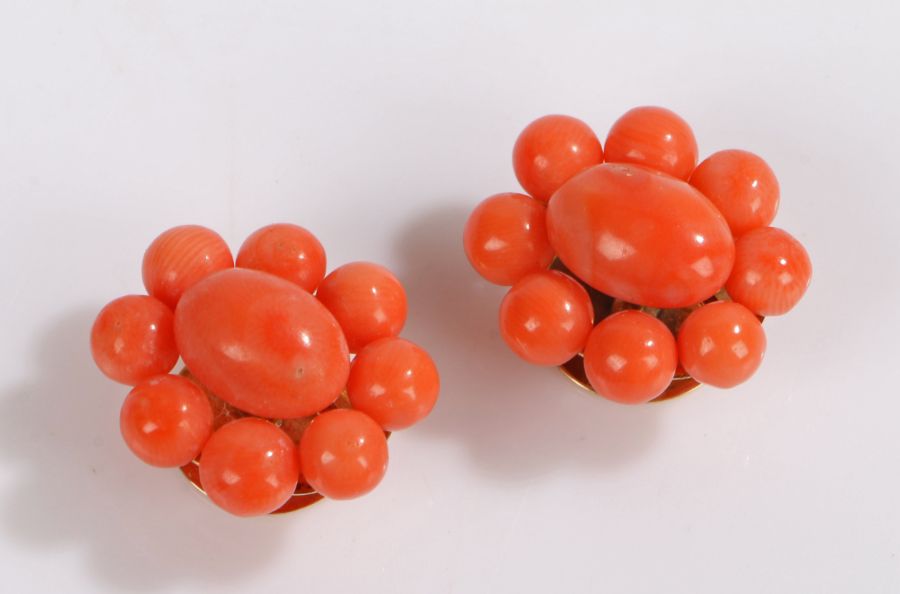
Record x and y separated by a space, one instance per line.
379 126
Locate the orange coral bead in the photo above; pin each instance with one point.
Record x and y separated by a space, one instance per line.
133 339
552 149
249 467
166 420
545 318
653 137
641 236
721 344
630 357
367 300
505 238
262 344
771 271
742 186
179 258
285 250
343 454
393 381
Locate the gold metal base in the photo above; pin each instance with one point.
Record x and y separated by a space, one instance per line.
605 305
304 495
574 370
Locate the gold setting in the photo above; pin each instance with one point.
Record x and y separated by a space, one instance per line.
304 495
605 305
574 370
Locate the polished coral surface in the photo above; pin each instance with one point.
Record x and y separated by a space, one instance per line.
771 271
262 344
395 382
133 339
742 186
654 137
641 236
367 300
343 454
505 238
181 257
721 344
545 318
550 150
630 357
285 250
166 420
249 467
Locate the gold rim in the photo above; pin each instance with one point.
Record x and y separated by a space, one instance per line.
605 305
304 495
574 370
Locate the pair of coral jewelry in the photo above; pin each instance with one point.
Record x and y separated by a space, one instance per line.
639 272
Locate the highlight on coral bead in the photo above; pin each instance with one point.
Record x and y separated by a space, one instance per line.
505 238
771 271
721 344
630 357
249 467
393 381
742 186
262 344
285 250
640 236
133 339
181 257
552 149
166 420
653 137
545 318
343 454
367 300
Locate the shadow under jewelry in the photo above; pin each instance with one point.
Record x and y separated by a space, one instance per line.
517 420
141 528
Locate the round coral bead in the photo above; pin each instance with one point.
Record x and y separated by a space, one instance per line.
393 381
630 357
285 250
343 454
653 137
771 271
133 339
721 344
545 318
640 236
166 420
249 467
262 344
742 186
367 300
505 238
179 258
552 149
